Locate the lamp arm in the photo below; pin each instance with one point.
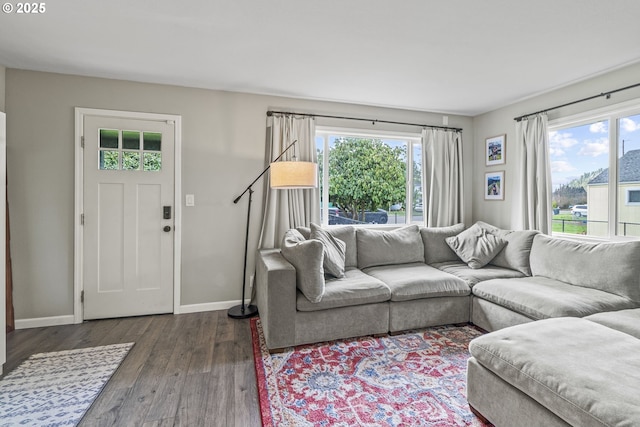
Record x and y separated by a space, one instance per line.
237 199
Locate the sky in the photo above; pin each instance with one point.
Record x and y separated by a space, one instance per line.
574 150
585 148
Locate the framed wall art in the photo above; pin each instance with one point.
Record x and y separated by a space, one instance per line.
495 150
494 185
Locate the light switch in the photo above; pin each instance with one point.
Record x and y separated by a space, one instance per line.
190 200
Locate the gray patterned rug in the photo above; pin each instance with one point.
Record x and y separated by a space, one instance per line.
57 389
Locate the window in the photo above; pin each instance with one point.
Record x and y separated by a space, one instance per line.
633 196
595 173
121 149
369 178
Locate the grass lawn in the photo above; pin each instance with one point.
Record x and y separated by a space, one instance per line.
571 225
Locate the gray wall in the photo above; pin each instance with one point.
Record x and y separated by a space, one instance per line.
501 213
223 150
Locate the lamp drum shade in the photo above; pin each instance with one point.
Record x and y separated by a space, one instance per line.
291 175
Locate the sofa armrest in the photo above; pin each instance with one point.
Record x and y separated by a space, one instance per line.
276 298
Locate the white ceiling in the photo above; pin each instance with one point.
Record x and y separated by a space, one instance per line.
457 56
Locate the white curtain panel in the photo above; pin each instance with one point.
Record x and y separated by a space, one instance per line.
532 138
443 191
285 209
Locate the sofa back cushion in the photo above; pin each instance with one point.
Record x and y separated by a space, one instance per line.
381 247
346 233
436 248
610 267
517 252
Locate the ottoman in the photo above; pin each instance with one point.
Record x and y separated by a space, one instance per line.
556 372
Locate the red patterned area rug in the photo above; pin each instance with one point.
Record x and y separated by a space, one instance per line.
414 379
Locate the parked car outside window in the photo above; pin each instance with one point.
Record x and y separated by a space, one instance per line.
579 210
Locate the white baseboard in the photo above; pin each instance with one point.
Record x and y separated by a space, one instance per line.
209 306
40 322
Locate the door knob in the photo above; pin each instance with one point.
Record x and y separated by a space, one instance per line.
167 228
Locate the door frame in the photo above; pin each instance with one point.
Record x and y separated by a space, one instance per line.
80 114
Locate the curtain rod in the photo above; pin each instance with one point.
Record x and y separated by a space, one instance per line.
605 94
373 121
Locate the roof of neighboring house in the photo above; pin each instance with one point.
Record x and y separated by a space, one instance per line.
629 166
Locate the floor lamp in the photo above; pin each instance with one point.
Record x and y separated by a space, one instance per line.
284 175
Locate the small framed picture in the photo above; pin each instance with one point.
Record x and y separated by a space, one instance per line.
494 185
495 150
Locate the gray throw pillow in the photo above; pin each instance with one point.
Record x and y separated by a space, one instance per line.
516 252
334 251
381 247
476 246
346 233
307 257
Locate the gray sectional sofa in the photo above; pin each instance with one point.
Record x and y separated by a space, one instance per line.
566 314
411 277
393 280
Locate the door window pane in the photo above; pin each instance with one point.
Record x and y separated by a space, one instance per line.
152 141
152 161
579 174
109 160
629 176
131 161
108 138
130 140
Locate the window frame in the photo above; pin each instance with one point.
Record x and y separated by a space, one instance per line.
612 114
410 137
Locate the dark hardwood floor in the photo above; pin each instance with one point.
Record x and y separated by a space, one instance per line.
184 370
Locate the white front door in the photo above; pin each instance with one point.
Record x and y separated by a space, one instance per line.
128 217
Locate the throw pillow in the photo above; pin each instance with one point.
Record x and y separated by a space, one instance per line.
476 246
516 252
334 251
306 256
346 233
380 247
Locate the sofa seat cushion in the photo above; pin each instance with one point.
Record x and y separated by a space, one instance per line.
474 275
418 280
355 288
586 373
627 321
541 298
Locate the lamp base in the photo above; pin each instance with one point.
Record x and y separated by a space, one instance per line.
242 311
